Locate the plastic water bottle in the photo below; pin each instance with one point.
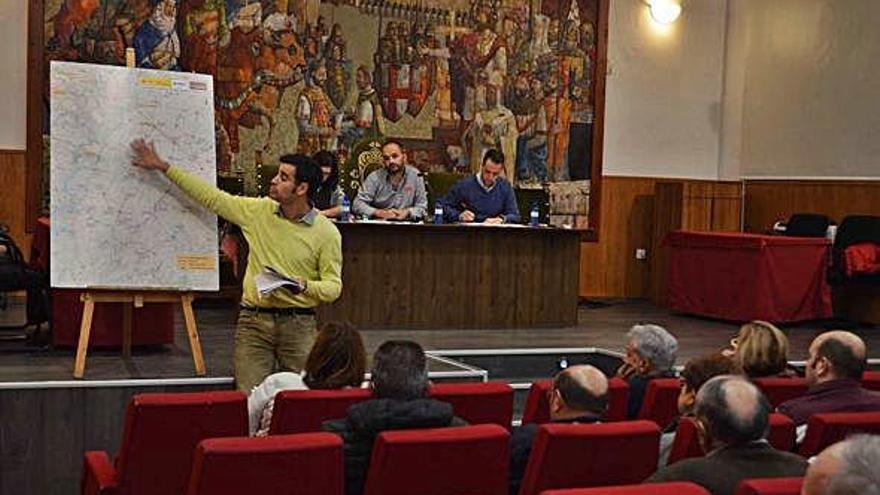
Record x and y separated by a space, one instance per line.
438 213
534 215
346 209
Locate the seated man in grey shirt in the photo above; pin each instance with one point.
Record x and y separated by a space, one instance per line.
394 192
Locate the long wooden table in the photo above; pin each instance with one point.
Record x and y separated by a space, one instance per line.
456 276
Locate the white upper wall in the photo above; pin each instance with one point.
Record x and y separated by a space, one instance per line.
663 91
811 93
13 76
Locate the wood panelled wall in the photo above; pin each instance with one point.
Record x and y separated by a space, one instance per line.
768 201
12 196
636 211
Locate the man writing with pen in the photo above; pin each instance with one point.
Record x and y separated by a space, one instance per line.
485 197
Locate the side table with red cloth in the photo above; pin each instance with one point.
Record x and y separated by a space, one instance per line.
742 277
150 325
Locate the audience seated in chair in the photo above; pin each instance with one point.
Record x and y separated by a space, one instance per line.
579 395
834 370
760 350
337 360
650 353
732 418
400 387
847 467
696 372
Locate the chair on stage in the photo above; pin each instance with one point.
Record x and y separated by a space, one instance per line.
305 464
440 461
477 403
161 432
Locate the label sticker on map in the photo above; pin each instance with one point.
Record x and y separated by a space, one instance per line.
180 84
195 262
155 82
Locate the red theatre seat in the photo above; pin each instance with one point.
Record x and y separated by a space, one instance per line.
686 444
303 411
305 464
671 488
826 429
778 390
440 461
661 401
161 432
871 380
770 486
478 403
587 455
537 408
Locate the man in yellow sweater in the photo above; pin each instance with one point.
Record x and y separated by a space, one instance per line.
275 331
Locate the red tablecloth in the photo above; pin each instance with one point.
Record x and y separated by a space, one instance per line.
743 277
152 324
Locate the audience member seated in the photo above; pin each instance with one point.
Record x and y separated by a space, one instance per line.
847 467
485 197
650 353
834 370
400 387
579 395
732 419
328 200
337 360
760 349
394 192
696 372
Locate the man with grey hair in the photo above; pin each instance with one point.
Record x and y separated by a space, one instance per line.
650 353
399 379
732 418
847 467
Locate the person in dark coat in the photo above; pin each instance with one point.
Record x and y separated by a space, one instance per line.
399 380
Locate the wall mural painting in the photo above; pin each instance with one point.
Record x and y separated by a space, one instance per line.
449 78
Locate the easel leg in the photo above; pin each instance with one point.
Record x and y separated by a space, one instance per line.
85 329
126 330
193 333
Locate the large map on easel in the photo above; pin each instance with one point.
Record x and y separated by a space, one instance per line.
114 225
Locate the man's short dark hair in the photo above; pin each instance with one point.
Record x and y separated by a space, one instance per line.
841 356
701 369
307 171
577 397
399 371
723 425
396 142
493 154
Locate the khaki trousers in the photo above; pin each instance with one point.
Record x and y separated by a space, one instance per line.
266 343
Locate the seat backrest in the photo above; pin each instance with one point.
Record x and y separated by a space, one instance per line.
537 407
855 229
828 428
660 404
585 455
807 225
686 444
770 486
780 389
440 461
871 380
670 488
478 403
305 463
303 411
163 429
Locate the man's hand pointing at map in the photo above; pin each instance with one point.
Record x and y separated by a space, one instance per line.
144 156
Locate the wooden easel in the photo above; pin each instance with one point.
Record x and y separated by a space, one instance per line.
136 299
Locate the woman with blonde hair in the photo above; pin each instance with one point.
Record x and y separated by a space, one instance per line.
760 349
337 360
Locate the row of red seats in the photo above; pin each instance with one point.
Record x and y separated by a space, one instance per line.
768 486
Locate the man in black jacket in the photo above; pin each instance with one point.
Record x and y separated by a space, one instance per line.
399 380
732 419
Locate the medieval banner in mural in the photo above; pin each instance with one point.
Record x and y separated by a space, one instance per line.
451 78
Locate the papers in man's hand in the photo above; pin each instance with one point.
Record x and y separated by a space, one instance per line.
270 280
